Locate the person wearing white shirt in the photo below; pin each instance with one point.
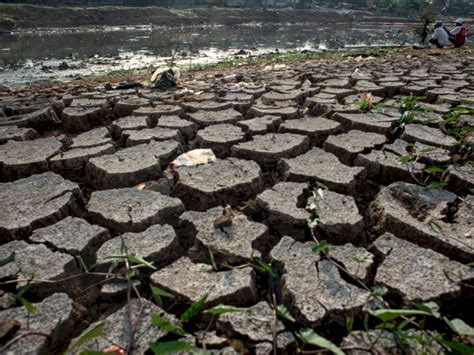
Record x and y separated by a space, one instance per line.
440 37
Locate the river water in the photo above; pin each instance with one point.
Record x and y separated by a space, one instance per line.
69 53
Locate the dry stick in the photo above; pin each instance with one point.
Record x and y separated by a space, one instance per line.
24 335
274 323
129 315
55 281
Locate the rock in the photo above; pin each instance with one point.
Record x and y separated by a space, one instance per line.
380 341
234 242
255 324
77 119
417 133
208 106
35 202
358 262
73 236
284 205
40 120
392 88
132 210
260 125
17 134
116 328
425 154
336 83
228 181
431 119
268 149
89 103
73 162
339 93
367 122
55 314
126 105
232 287
206 118
112 291
338 217
136 137
92 138
283 112
131 166
22 159
315 294
210 340
319 166
296 95
8 327
417 214
186 128
441 109
129 123
157 244
220 137
160 110
460 178
417 274
347 146
387 167
36 262
316 128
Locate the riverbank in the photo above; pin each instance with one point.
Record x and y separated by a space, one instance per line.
24 17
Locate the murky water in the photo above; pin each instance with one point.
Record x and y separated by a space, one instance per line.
32 56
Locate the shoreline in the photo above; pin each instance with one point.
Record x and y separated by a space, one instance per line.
30 17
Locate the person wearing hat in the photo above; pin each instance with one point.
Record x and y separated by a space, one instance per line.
458 34
440 36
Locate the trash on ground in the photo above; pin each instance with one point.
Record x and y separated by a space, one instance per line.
193 157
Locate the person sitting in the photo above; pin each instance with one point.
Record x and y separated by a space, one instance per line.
440 37
458 34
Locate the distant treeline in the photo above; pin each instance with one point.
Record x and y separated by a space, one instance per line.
465 6
162 3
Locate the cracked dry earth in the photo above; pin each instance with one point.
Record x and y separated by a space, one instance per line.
85 169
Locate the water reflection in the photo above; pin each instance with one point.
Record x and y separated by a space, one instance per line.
47 45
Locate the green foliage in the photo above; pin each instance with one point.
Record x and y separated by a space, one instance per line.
308 336
92 334
264 267
283 312
364 105
322 247
378 291
406 158
158 293
170 347
435 170
222 309
387 315
410 103
166 325
194 309
9 259
459 326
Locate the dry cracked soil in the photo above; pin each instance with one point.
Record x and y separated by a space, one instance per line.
85 175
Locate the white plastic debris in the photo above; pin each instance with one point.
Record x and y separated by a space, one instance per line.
193 157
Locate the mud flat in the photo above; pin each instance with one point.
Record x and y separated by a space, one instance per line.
86 187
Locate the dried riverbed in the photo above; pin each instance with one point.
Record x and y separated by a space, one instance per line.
84 171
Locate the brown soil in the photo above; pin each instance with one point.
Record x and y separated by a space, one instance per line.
20 17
